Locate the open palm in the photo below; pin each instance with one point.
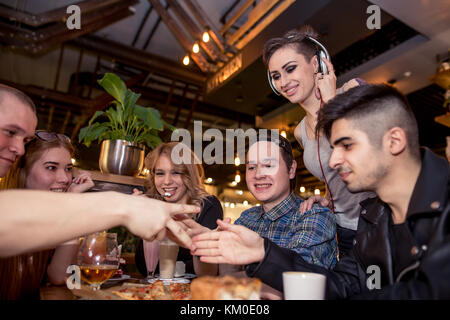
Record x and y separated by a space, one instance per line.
233 245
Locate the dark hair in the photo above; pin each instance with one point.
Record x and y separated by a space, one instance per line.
282 143
375 109
297 39
18 94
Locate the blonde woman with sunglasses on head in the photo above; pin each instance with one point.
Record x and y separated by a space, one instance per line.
46 165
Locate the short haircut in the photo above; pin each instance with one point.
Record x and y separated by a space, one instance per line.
22 97
297 39
373 109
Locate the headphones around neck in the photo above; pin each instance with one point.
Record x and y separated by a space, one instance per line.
320 53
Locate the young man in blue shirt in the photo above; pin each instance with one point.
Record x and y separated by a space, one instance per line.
270 174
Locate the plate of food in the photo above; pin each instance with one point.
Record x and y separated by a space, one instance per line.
158 290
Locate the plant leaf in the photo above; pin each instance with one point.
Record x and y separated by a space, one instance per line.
151 140
150 116
131 98
114 86
85 131
93 132
95 116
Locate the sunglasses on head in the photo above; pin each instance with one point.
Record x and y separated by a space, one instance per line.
51 136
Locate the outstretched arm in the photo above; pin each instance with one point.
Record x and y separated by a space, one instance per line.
233 245
34 220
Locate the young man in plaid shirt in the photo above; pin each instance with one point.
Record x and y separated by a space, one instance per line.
270 169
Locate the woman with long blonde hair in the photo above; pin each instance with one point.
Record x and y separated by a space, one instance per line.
180 183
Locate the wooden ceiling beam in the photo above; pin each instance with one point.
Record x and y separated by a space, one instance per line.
138 33
179 34
254 16
56 15
206 23
196 32
140 59
236 16
155 27
37 42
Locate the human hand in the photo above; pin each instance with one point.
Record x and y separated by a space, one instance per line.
192 228
233 245
307 204
83 182
149 218
189 226
137 192
326 83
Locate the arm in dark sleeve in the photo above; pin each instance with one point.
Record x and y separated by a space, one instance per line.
342 282
139 257
212 210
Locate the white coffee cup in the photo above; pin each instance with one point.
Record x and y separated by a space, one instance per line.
304 285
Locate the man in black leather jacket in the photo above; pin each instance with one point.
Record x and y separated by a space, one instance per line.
402 246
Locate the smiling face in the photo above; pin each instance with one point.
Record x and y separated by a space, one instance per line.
292 74
52 171
267 176
17 125
169 181
360 165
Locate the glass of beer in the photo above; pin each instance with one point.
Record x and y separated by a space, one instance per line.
98 258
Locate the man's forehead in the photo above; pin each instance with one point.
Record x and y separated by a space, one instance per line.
341 127
16 115
263 150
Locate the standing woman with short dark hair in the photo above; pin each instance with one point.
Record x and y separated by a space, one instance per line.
297 69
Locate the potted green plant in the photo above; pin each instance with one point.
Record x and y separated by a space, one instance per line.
126 130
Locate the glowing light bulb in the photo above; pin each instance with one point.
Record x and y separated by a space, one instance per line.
205 36
186 60
245 203
237 161
302 189
283 133
237 178
317 191
232 205
196 48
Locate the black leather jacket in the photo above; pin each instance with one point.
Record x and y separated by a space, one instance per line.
428 219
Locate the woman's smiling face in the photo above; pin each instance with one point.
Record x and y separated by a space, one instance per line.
52 171
169 181
292 74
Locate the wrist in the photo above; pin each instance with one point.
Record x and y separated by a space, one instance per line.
118 207
261 252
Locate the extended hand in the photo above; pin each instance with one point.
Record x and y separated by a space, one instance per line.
233 245
149 218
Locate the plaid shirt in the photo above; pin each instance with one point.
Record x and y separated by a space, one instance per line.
312 234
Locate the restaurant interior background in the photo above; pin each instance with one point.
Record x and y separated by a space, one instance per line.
225 84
